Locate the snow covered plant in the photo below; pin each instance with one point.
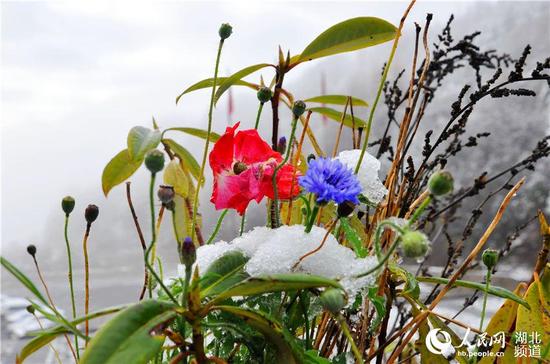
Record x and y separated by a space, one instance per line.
322 280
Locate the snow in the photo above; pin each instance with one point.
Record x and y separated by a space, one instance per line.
274 251
373 188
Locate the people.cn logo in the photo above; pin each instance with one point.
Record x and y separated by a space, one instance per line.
439 342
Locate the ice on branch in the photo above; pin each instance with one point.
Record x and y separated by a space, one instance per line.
274 251
373 188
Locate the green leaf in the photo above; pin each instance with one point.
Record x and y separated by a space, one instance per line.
210 81
495 291
411 284
287 352
21 277
337 116
129 336
224 272
119 169
141 140
174 176
186 157
45 337
379 303
276 283
349 35
336 100
236 77
353 238
198 133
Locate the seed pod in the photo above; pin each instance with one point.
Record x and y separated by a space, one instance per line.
225 31
333 300
166 194
30 309
264 94
298 108
67 204
441 183
414 244
490 258
239 167
154 161
91 213
188 253
31 249
345 208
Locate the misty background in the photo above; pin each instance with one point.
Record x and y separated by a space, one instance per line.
77 76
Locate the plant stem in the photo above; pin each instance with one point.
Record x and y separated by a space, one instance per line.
141 239
276 170
217 228
258 115
70 276
382 261
347 333
207 142
243 221
381 86
485 295
86 280
418 212
378 235
314 213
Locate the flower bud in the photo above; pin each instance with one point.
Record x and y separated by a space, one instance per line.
239 167
281 145
67 204
490 258
188 253
31 249
154 161
166 194
414 244
91 213
333 300
225 31
264 94
441 183
30 309
298 108
345 208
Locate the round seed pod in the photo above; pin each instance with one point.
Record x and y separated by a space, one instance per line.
333 300
264 94
298 108
67 204
154 161
490 258
31 249
441 183
414 244
91 213
225 31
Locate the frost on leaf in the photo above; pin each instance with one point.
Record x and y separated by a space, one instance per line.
373 188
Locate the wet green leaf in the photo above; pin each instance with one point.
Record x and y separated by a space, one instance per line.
118 170
207 83
337 116
186 157
141 140
223 273
336 100
236 77
197 132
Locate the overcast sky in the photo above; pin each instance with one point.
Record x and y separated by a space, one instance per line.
77 76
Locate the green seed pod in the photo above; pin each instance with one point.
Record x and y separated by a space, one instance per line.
264 94
333 300
154 161
30 309
298 108
345 208
188 253
166 194
67 204
91 213
490 258
31 249
414 244
225 31
441 183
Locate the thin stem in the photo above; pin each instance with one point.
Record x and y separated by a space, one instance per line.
378 235
218 226
56 353
381 86
329 230
382 261
207 142
243 221
260 108
314 213
485 295
70 276
275 201
347 333
418 212
86 280
141 238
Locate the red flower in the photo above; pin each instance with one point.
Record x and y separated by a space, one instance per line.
243 165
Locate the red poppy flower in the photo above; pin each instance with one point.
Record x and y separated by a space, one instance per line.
243 164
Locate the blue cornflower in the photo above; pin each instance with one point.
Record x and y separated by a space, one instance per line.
330 180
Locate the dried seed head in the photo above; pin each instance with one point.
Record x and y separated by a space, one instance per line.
166 194
91 213
67 204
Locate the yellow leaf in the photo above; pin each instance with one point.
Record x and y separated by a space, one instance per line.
175 177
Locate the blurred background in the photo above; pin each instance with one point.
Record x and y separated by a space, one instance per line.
77 76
